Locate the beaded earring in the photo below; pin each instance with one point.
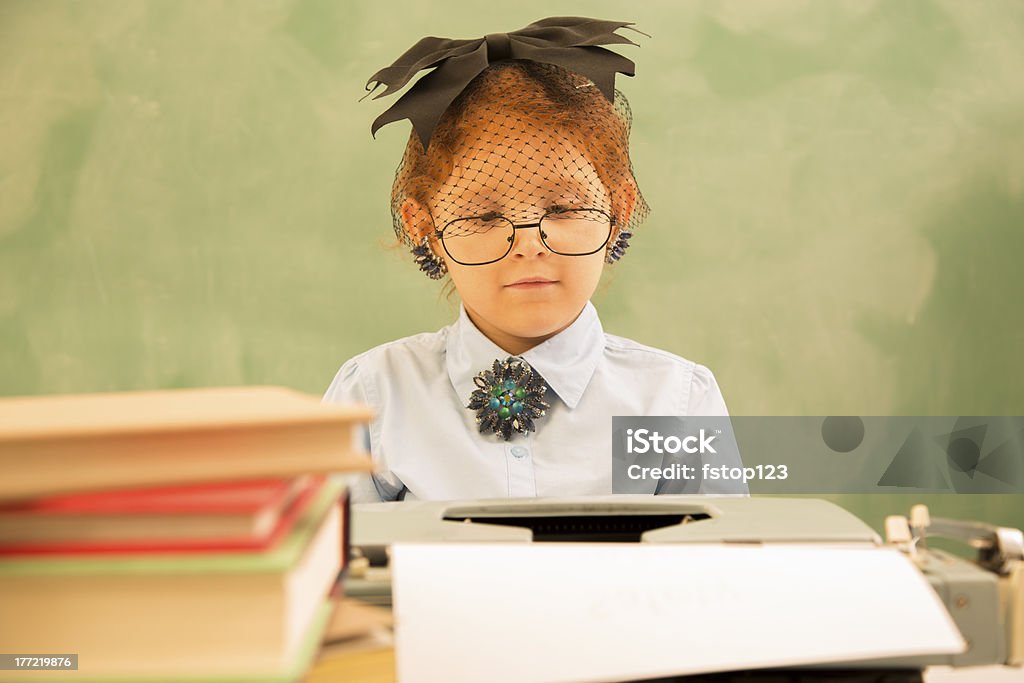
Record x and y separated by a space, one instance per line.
618 248
434 267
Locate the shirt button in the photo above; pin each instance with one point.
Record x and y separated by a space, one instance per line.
519 451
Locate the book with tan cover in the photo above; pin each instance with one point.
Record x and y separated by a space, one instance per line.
81 442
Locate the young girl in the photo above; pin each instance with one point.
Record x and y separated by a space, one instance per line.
517 184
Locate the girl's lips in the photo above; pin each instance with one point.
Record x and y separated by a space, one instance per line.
531 285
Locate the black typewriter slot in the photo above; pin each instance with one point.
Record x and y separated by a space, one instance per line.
585 528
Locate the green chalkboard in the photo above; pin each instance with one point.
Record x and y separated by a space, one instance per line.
189 196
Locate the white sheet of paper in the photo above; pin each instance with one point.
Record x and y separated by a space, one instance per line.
561 612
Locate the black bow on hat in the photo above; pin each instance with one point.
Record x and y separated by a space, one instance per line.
569 42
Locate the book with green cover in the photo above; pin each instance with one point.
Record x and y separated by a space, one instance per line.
203 617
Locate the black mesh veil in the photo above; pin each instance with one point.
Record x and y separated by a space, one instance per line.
525 145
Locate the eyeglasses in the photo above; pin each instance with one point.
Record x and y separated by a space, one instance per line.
480 240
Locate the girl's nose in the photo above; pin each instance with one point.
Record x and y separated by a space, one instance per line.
528 242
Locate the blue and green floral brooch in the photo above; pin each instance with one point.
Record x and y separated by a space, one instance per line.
509 398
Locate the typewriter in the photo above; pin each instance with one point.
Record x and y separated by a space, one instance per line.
984 595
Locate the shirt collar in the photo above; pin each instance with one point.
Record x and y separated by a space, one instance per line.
566 361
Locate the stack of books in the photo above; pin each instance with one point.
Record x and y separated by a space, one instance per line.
192 534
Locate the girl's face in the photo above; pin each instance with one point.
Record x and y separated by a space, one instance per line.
521 172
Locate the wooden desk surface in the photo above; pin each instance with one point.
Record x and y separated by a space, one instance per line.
368 666
378 666
358 646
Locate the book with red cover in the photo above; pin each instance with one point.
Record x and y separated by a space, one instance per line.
215 517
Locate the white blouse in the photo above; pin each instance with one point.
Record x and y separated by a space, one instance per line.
426 445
